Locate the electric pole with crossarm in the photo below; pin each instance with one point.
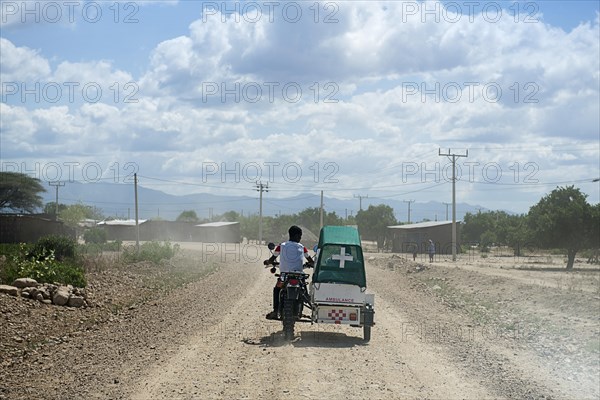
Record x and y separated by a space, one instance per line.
452 157
409 202
57 184
261 187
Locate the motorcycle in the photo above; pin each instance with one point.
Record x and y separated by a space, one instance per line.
337 292
293 297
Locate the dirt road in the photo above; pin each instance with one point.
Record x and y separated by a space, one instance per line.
245 356
209 340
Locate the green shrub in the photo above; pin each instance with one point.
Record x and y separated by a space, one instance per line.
63 247
150 251
43 268
97 249
95 235
12 249
112 246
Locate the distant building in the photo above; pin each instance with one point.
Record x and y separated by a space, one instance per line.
218 232
29 228
124 229
173 231
120 229
403 237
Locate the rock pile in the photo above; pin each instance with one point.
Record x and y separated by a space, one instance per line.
47 293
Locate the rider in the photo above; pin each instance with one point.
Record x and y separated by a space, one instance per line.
292 254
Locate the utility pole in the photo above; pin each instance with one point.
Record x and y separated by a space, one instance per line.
321 213
57 184
446 204
359 197
452 157
261 187
137 225
408 201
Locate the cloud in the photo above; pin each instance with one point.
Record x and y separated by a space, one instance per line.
21 64
400 88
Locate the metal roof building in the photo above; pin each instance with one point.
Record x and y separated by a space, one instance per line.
404 237
218 232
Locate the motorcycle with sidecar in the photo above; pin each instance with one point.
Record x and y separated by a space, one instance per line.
336 294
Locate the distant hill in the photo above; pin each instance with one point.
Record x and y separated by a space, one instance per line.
117 200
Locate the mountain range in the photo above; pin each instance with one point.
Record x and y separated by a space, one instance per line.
117 200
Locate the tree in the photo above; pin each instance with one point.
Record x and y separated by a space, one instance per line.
476 225
249 227
311 219
188 216
373 222
231 216
20 192
563 219
73 214
495 227
50 208
595 227
95 235
517 233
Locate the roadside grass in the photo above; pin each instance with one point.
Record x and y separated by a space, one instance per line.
510 319
593 345
158 269
578 281
157 279
479 310
179 271
505 318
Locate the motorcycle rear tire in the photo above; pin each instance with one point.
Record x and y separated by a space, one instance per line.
366 333
288 319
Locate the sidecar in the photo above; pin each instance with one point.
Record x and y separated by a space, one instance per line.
338 287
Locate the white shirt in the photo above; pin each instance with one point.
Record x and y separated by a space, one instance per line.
291 256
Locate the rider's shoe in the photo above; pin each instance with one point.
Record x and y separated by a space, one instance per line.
272 315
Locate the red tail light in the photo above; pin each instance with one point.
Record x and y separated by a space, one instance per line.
293 281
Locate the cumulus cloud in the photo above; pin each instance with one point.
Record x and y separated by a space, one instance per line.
400 87
21 64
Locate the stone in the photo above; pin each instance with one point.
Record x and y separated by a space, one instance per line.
22 283
75 301
61 297
436 287
11 290
45 293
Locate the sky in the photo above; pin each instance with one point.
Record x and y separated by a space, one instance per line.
350 98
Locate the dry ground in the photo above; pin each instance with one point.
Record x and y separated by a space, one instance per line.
195 329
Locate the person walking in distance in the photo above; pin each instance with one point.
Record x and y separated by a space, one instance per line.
431 250
415 250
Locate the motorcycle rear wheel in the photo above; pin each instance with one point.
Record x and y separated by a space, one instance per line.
366 333
288 319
